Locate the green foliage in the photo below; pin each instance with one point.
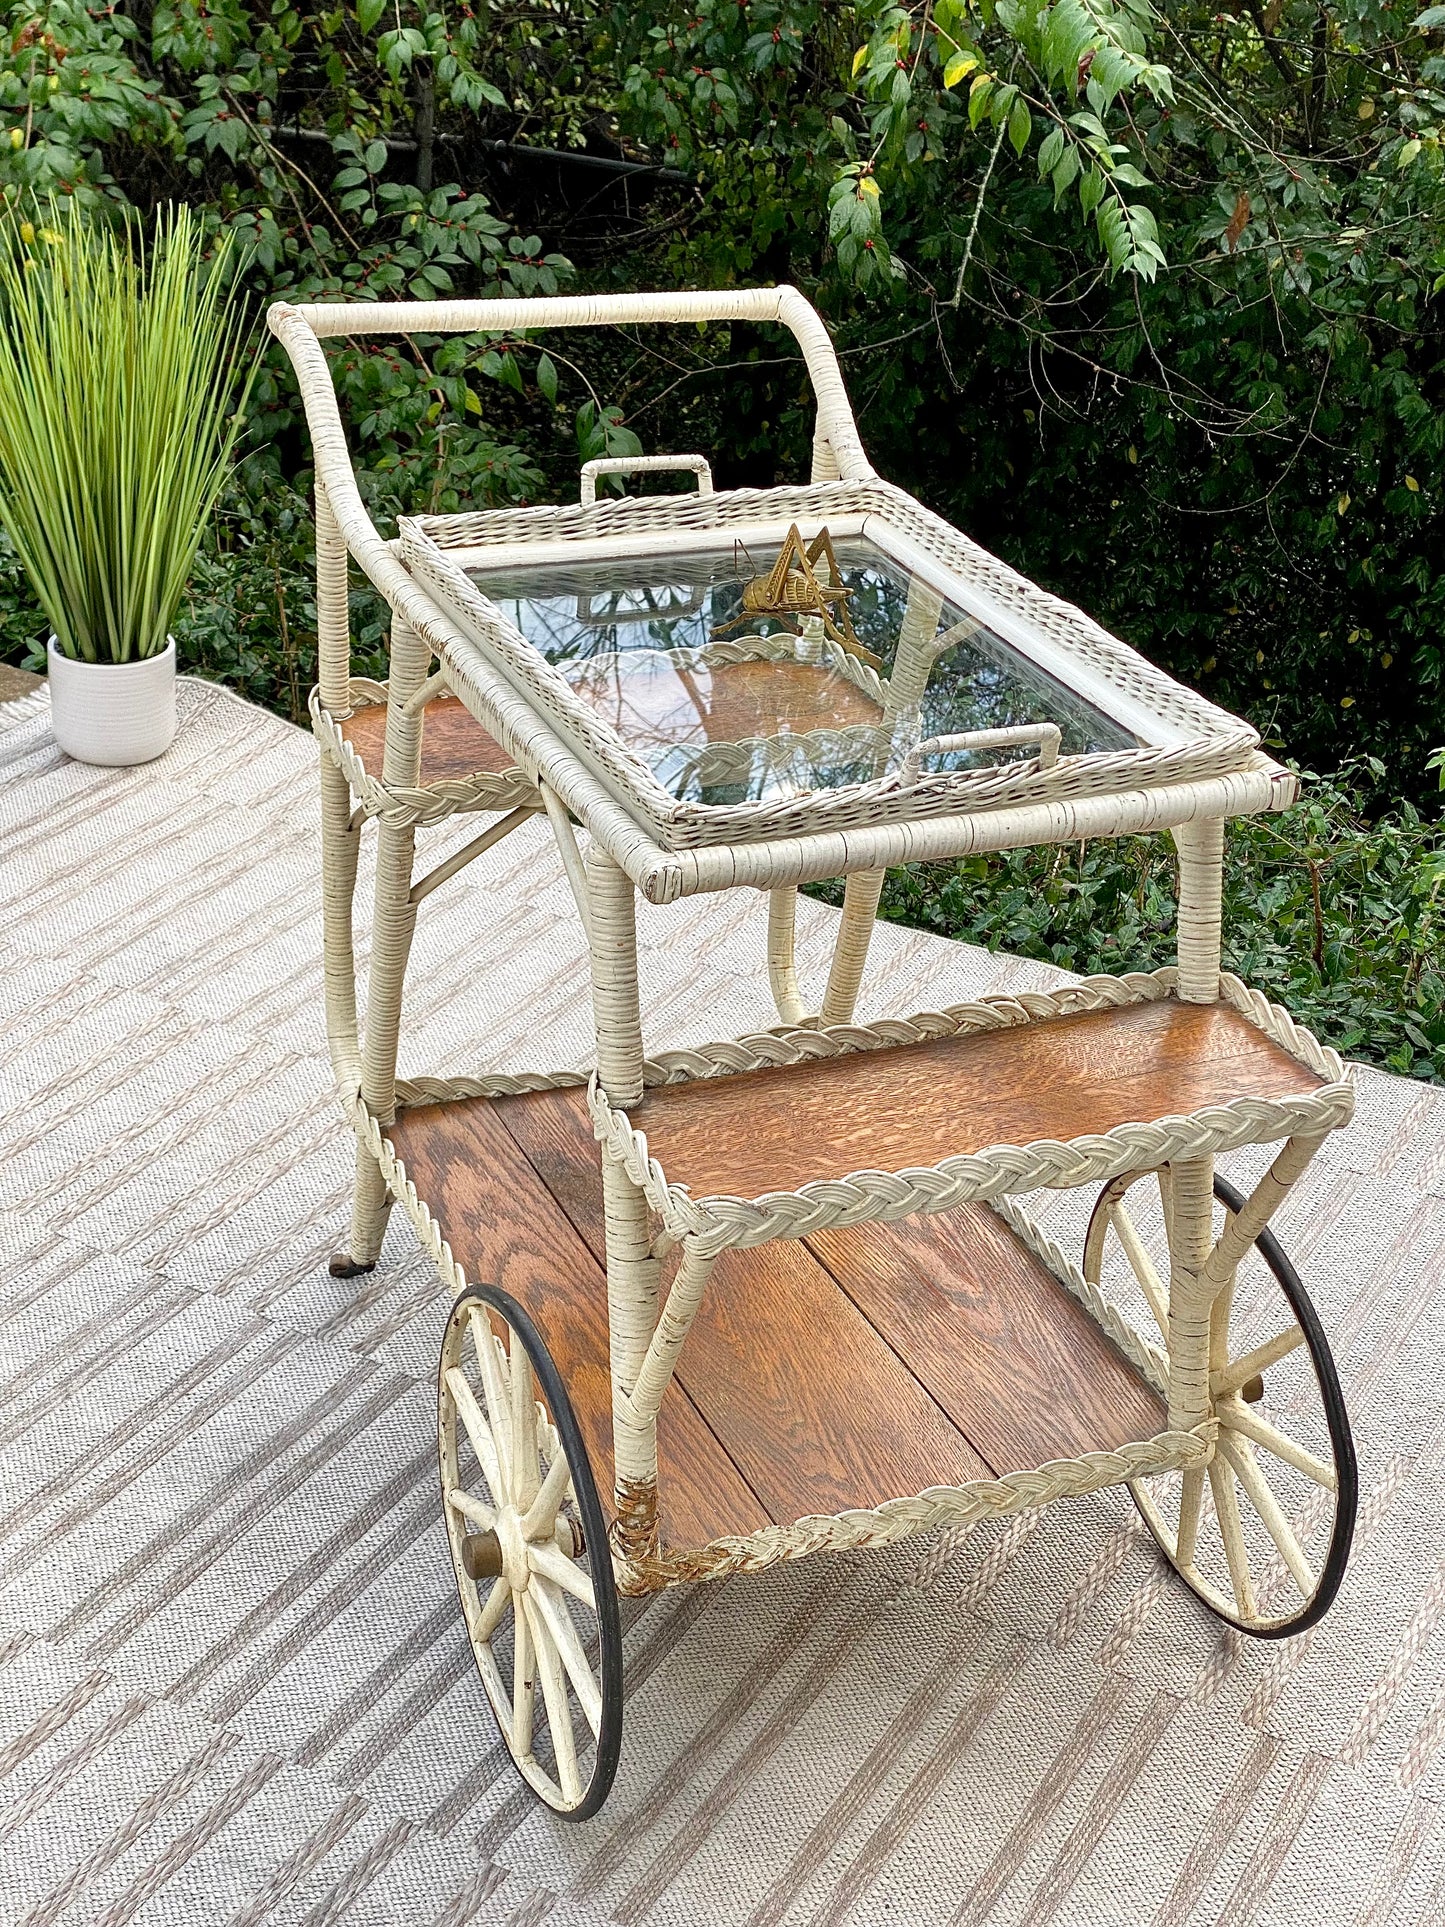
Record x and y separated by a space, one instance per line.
1236 460
1338 918
119 362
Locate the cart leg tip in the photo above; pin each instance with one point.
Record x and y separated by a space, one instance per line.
343 1265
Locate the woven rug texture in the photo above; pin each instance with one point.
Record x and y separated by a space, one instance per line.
234 1686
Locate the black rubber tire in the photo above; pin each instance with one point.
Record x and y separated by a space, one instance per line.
598 1552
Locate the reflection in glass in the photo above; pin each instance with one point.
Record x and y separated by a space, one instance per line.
762 711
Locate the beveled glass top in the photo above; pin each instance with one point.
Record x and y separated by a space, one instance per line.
727 705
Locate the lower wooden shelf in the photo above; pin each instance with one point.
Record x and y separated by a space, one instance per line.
453 742
860 1365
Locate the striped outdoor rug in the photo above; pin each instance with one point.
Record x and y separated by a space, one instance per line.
233 1682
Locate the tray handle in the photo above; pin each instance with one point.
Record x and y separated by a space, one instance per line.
1047 735
642 464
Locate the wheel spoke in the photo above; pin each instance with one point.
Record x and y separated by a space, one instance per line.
475 1425
526 1458
1236 1556
489 1364
1246 1466
554 1693
1150 1283
1250 1364
1237 1416
470 1508
524 1686
542 1513
553 1609
1191 1501
548 1558
493 1611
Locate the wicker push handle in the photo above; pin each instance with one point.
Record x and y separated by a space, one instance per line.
343 524
643 465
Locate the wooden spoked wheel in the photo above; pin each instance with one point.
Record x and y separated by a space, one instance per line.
530 1549
1261 1535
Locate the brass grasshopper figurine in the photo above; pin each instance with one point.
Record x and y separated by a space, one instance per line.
793 588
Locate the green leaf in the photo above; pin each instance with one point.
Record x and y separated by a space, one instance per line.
1051 151
547 377
1091 189
1064 173
368 12
1020 126
959 65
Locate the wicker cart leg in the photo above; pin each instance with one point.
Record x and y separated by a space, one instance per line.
392 928
782 955
340 848
1190 1187
1201 882
850 950
632 1270
850 953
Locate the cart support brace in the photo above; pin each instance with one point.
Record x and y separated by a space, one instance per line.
645 1401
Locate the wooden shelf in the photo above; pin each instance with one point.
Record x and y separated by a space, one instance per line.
1069 1077
858 1366
453 742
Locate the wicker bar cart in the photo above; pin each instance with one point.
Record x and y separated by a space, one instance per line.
778 1294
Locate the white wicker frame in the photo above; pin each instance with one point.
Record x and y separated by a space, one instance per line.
1211 771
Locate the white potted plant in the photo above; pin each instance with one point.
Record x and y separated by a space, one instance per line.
120 361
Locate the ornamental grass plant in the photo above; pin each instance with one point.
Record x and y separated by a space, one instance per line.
123 379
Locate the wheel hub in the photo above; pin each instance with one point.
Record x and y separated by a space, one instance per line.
516 1569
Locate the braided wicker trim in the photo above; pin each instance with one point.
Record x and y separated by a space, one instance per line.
940 1505
716 1223
412 1092
394 803
899 796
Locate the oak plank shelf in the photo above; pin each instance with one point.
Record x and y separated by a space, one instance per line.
862 1363
916 1104
453 742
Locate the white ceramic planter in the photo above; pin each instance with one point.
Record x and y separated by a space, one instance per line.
114 713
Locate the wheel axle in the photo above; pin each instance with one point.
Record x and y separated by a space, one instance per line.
482 1556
